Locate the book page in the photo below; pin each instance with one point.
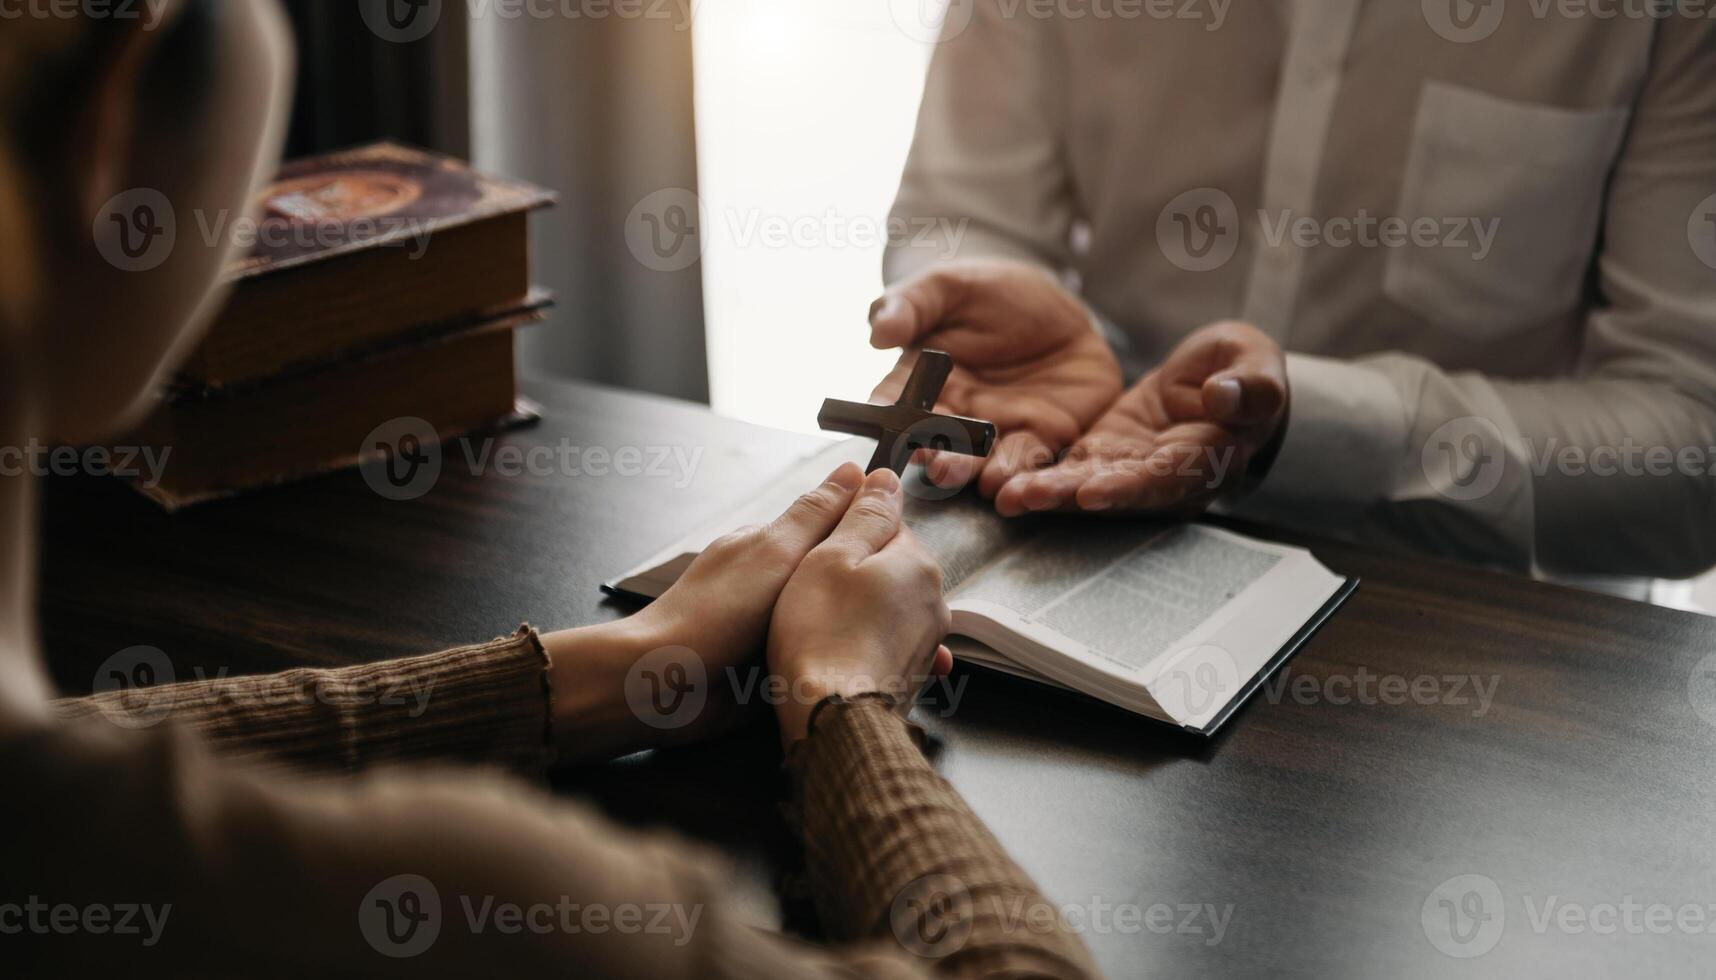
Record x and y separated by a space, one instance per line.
1168 620
1180 616
962 531
1125 590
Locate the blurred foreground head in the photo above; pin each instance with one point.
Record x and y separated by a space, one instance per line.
123 139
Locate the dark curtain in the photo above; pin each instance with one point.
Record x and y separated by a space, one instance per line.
601 111
597 109
357 87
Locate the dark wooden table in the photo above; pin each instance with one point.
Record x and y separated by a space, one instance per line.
1331 816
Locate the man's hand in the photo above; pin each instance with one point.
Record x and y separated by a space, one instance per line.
1026 353
1177 439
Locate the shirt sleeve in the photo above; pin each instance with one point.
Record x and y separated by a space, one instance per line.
482 704
895 854
148 840
1608 472
986 176
140 853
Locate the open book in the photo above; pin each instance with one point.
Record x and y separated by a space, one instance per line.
1177 622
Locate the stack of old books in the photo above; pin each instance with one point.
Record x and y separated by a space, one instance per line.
380 284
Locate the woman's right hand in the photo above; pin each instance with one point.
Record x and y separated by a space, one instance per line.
863 613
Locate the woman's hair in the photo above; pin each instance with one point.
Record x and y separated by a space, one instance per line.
35 55
50 68
49 65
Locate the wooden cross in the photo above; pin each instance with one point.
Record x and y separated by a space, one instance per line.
910 423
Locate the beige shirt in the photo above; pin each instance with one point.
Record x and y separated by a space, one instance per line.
1487 238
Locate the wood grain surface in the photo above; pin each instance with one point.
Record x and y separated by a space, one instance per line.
1328 829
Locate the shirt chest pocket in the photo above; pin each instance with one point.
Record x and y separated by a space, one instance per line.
1517 191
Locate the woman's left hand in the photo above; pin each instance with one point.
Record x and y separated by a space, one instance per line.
677 671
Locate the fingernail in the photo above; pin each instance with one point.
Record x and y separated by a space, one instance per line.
848 477
886 330
884 309
884 481
1042 501
1226 398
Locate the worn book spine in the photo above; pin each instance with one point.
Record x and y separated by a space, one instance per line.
320 421
303 315
364 245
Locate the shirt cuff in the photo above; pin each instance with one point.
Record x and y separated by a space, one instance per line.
1346 432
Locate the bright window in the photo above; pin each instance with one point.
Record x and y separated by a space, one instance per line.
805 110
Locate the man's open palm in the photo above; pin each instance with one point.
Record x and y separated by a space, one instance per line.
1176 439
1027 357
